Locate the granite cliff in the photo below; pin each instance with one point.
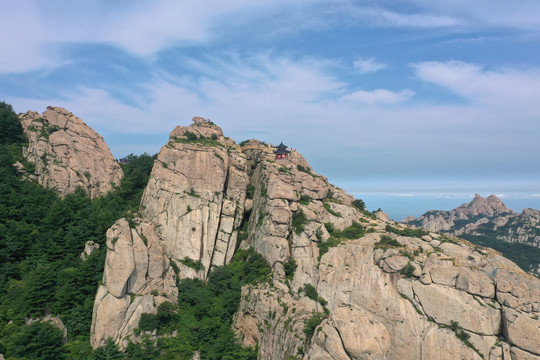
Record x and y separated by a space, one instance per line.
64 153
346 283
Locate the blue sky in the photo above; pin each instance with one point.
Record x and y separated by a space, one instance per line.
383 97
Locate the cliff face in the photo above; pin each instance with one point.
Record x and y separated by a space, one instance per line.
346 284
67 153
192 208
196 195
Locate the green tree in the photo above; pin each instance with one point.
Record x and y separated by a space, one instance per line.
39 340
109 351
10 127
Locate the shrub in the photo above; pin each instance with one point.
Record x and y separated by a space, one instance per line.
290 268
250 191
304 169
330 210
359 204
408 270
354 231
194 264
319 234
190 136
304 199
330 228
311 324
299 221
407 231
148 322
326 245
311 292
462 335
387 241
285 170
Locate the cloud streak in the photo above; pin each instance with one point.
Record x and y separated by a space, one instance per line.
368 65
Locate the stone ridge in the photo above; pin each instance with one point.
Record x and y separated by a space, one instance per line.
391 293
484 215
67 153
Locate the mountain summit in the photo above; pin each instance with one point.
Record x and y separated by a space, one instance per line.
65 153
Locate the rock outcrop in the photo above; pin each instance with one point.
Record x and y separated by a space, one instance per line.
137 279
195 197
486 219
66 153
190 214
448 309
347 284
89 248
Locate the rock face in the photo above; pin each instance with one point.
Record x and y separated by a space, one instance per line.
66 153
137 279
358 289
191 211
375 312
487 218
89 248
196 195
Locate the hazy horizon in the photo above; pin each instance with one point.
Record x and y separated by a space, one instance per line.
399 206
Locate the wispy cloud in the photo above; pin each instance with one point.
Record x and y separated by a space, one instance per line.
487 14
372 14
368 65
507 87
379 96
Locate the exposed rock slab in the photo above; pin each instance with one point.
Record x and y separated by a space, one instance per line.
68 154
137 279
195 197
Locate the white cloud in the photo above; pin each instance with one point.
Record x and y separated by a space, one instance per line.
368 65
513 88
379 96
375 15
38 29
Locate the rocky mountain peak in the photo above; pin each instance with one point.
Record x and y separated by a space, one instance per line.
66 153
489 207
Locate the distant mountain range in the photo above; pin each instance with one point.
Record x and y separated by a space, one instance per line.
489 222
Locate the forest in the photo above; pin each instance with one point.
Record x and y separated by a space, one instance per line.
41 271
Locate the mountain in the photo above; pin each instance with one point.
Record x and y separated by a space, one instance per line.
64 153
489 222
342 283
231 253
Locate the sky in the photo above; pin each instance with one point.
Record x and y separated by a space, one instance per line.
385 98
